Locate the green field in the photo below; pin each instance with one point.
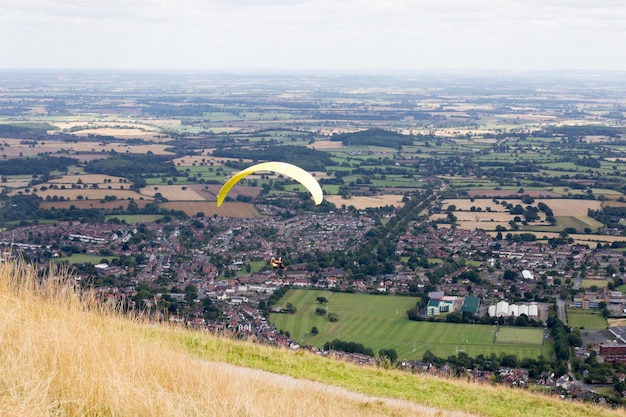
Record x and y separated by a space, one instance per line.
379 321
519 335
586 319
600 283
82 258
134 218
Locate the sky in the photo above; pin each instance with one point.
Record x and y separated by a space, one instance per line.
351 35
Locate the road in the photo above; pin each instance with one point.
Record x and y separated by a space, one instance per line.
560 308
578 281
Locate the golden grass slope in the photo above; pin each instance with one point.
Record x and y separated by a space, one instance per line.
66 355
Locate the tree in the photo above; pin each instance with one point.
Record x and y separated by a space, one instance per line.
314 330
510 275
291 309
414 314
388 354
320 311
191 293
321 300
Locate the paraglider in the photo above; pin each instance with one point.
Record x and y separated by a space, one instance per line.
289 170
277 263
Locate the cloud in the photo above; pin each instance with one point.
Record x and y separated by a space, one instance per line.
311 33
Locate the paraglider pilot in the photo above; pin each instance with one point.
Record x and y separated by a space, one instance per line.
277 263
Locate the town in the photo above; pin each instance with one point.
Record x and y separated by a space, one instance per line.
197 272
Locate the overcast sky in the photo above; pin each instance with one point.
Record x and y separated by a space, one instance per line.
313 34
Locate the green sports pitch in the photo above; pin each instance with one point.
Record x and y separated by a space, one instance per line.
380 321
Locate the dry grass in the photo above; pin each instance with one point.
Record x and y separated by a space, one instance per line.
64 355
616 322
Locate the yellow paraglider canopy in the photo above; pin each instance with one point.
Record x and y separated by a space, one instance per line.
284 168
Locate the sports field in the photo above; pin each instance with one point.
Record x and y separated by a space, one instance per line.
590 320
519 336
380 321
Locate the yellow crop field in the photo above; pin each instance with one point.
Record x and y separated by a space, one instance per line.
559 206
13 148
466 204
362 202
478 220
119 132
581 239
90 194
103 181
199 160
15 183
569 207
87 204
173 192
325 144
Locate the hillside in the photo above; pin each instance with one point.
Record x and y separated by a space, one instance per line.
66 355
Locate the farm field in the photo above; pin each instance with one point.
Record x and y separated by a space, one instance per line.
361 202
209 208
568 213
135 218
89 180
326 144
379 321
511 193
560 206
87 194
465 204
586 319
15 147
173 192
581 239
87 204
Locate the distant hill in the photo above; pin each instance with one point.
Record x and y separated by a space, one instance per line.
305 158
68 354
374 137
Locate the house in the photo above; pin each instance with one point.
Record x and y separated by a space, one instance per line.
613 352
436 307
470 304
